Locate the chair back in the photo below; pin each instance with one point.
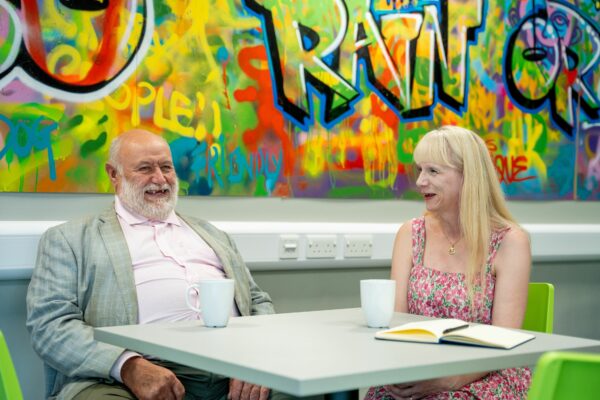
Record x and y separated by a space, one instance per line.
539 314
9 384
566 376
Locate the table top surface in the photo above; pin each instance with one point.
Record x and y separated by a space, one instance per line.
317 352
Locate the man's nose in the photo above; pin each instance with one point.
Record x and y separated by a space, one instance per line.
158 177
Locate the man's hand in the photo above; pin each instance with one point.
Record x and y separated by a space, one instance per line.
148 381
240 390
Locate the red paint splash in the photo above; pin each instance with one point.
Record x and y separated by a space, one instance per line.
103 59
269 117
385 113
571 75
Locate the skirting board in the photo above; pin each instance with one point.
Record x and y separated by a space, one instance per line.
259 243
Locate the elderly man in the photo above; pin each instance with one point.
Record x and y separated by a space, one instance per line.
131 264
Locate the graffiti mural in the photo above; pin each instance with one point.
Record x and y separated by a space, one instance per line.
300 98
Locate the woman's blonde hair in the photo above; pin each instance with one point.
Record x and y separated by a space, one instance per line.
482 206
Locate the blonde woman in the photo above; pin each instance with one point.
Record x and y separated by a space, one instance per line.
465 258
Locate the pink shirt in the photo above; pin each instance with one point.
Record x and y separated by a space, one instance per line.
167 256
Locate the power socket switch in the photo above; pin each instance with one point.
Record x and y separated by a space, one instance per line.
358 246
321 246
289 247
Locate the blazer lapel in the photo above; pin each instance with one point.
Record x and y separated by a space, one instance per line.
118 252
241 292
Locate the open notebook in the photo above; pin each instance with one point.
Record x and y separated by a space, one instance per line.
455 331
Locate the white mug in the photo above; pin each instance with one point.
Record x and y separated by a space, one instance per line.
216 301
377 299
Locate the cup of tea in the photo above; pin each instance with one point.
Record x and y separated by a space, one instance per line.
215 301
377 299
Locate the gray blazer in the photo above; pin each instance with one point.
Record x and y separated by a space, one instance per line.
83 278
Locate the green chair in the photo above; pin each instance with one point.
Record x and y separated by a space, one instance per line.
566 376
539 314
9 384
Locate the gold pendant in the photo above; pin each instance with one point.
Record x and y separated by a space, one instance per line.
452 250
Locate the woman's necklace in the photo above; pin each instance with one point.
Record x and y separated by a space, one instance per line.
451 249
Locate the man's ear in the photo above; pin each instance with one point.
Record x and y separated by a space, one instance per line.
112 173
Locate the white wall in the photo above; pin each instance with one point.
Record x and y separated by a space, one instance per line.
41 206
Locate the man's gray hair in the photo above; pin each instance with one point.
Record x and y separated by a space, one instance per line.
113 153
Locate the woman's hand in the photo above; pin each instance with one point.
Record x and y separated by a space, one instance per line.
419 389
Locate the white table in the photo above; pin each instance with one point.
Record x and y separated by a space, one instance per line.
321 351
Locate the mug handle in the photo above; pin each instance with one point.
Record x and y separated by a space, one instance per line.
187 297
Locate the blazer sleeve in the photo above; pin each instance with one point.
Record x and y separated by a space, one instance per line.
55 317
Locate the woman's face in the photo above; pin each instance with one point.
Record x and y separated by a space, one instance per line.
440 186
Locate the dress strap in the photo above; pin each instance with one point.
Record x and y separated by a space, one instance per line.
495 242
418 240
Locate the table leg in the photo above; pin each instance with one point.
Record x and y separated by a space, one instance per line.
345 395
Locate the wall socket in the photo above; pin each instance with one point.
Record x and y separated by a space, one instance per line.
358 246
289 247
321 246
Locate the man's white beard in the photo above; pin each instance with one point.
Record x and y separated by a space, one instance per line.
133 198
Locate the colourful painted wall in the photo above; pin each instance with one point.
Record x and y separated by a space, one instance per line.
300 98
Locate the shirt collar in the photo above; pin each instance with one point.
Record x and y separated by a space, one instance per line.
132 218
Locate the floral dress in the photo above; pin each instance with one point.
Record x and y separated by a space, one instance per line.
440 294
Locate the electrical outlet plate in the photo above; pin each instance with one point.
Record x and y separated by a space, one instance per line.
289 247
321 246
358 246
